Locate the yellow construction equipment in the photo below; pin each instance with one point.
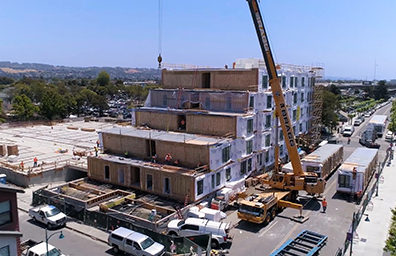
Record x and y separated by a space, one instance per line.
284 187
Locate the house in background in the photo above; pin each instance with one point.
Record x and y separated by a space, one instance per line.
9 221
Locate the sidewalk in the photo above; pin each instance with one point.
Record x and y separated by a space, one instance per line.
372 232
24 201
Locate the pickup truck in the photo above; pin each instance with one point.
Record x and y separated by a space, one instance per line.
49 215
32 248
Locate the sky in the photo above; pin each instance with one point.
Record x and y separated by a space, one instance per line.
350 38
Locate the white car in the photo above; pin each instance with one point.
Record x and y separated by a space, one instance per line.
41 250
195 226
348 131
389 136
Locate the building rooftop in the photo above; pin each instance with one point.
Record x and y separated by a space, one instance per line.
193 111
52 145
168 136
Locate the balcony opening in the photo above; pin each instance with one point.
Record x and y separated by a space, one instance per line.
205 80
181 122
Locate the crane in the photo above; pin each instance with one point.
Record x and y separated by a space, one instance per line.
298 180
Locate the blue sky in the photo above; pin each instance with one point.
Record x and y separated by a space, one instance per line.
346 36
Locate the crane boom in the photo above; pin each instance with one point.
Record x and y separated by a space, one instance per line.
279 99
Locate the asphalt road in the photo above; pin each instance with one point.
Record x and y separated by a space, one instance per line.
253 239
72 244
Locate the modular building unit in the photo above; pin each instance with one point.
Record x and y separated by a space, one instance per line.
355 173
379 123
322 161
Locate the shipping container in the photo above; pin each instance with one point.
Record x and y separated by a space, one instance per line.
355 173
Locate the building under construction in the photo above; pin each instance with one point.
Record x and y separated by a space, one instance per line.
203 129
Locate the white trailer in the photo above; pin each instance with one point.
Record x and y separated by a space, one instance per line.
355 173
323 161
379 124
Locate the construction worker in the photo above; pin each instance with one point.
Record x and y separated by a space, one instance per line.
97 143
324 204
35 162
22 165
168 158
154 158
96 151
126 154
176 162
349 140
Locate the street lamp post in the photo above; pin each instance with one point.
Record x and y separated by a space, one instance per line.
47 238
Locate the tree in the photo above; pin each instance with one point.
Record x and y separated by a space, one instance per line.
1 111
103 78
23 107
334 89
381 91
53 105
329 108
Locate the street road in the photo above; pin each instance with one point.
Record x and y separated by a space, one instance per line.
73 244
253 239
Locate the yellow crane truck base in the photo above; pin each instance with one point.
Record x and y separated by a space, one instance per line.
263 207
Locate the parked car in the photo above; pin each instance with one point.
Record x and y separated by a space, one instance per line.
48 215
357 122
40 249
195 226
348 131
135 243
367 115
389 136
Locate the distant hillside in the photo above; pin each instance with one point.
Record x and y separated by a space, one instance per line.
36 70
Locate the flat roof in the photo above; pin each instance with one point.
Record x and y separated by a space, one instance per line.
50 144
141 163
169 136
360 158
9 188
193 111
322 153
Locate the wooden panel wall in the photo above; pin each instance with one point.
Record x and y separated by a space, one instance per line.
211 125
119 144
180 185
184 79
157 120
235 80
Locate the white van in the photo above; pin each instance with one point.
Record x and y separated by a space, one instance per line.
348 130
41 250
135 243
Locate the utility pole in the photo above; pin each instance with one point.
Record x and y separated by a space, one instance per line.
353 229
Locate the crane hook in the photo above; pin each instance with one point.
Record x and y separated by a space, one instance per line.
159 61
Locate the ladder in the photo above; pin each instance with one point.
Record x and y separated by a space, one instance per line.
306 243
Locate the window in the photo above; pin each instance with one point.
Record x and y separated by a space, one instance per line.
266 156
267 140
121 176
199 187
149 182
207 102
280 135
269 101
129 242
295 98
5 212
167 186
283 81
249 146
218 178
344 181
226 154
229 102
249 165
117 237
267 121
228 174
264 82
302 81
302 97
261 159
295 131
5 251
213 181
190 227
296 81
294 115
107 172
301 127
281 150
291 82
249 126
164 100
251 102
243 167
136 246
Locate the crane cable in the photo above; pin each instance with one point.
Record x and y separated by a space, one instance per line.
159 34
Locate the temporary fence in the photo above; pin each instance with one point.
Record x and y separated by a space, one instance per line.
357 216
112 221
